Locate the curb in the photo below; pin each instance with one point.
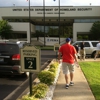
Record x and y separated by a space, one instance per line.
50 92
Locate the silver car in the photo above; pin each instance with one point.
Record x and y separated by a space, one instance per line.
90 47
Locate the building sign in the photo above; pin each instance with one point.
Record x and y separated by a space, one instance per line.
53 10
30 59
65 9
51 41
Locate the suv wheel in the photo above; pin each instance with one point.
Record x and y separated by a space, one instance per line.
93 54
26 74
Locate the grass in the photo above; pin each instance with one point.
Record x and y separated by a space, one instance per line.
45 47
91 71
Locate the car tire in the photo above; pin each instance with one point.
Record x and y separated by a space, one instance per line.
93 54
26 74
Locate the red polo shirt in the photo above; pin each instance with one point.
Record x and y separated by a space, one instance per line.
68 51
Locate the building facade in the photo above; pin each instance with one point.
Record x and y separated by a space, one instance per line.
81 18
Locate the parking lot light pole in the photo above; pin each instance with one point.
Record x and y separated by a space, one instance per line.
29 23
59 21
30 74
44 19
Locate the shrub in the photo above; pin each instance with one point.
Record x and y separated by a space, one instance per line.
27 97
39 90
46 77
53 70
54 65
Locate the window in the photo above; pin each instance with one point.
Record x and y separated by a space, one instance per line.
87 44
9 48
94 44
78 43
85 20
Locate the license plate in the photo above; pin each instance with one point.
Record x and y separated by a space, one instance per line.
1 59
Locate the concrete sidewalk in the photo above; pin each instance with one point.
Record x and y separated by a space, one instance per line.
80 90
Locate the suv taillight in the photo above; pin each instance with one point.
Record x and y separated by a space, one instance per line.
16 57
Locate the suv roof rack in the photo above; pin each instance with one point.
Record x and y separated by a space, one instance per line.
4 40
13 41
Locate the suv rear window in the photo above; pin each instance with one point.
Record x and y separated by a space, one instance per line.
94 44
9 48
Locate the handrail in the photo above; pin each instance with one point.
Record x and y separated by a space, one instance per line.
63 41
41 41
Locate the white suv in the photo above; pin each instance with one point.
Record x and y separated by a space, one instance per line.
90 47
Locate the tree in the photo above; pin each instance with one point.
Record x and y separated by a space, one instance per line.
5 29
95 31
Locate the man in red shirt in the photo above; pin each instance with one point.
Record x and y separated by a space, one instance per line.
69 57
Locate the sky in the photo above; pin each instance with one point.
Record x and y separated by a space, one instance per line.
4 3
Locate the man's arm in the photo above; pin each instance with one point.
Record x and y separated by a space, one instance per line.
75 54
76 60
75 57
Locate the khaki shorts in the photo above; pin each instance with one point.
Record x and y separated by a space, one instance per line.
67 67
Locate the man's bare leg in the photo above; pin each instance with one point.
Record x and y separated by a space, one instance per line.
66 78
71 79
71 76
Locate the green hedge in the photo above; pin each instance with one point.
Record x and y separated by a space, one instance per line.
46 78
